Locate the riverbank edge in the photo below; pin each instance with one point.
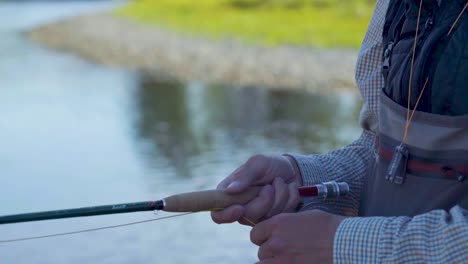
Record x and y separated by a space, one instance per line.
111 40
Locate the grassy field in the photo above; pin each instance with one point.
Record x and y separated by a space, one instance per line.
323 23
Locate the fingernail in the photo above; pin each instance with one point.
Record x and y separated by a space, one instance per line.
234 185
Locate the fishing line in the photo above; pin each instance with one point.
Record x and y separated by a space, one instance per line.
110 227
92 229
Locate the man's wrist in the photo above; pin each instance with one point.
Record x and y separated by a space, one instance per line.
295 168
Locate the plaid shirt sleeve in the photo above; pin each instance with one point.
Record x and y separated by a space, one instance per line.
435 237
350 163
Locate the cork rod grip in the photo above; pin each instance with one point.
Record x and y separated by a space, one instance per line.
207 200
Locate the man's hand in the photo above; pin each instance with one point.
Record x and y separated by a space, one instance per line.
280 179
305 237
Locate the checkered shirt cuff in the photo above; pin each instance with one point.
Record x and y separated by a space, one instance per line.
311 168
357 239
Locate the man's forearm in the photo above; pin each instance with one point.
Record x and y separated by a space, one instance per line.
434 237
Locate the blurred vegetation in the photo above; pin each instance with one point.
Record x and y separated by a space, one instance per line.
325 23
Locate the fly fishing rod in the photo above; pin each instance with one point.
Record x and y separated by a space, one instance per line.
186 202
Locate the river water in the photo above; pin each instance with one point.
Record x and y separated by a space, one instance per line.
75 134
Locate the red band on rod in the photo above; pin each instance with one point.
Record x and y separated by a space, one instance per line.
308 191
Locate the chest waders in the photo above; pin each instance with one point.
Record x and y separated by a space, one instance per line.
433 165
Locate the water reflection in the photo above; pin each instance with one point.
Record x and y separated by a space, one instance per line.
181 123
75 134
164 122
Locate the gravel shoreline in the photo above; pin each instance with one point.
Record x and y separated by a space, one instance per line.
107 39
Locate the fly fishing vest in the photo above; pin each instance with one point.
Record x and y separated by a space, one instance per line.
433 163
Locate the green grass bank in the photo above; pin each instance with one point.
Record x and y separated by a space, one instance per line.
320 23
